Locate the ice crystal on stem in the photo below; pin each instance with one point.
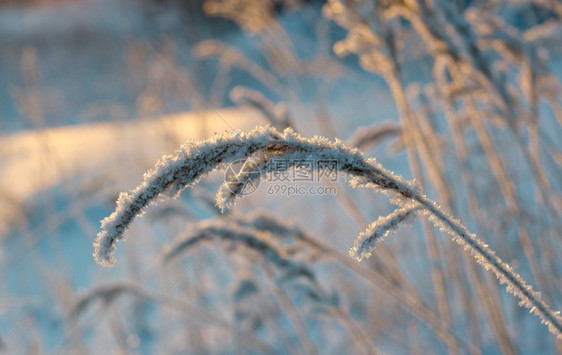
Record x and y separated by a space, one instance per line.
365 243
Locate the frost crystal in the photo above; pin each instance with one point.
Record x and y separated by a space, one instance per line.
365 242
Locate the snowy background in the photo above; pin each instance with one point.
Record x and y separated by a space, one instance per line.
94 92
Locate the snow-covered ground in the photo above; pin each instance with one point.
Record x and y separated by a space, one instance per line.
33 161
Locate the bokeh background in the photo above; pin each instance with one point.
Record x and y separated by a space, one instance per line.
463 96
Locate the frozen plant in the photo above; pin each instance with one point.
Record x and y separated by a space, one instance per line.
197 159
365 243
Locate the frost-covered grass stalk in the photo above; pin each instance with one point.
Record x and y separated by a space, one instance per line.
252 238
195 160
365 243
